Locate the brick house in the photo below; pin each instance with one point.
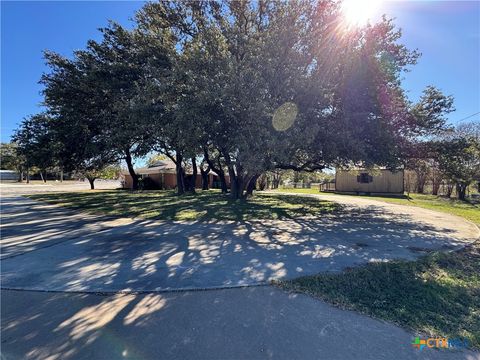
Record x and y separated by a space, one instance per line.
164 174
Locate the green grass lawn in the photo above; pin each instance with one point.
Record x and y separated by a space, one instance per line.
205 205
438 295
467 210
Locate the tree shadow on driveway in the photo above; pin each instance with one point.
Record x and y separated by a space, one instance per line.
76 252
251 323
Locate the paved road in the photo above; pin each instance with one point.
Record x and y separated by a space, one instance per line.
51 248
252 323
15 188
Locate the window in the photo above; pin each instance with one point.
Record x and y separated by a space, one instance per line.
364 178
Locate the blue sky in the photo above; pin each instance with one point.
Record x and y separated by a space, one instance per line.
446 32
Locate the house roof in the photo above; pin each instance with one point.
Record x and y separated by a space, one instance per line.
158 166
163 166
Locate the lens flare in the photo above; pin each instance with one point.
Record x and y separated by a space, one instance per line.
284 116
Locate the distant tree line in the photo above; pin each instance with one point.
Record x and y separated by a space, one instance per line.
242 88
12 158
449 161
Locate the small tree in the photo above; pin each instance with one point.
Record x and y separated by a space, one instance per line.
35 143
10 159
104 88
459 160
422 171
429 119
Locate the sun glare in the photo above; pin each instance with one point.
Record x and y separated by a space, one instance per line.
359 12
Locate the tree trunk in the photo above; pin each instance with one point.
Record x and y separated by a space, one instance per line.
61 175
262 182
461 190
421 179
217 169
91 181
251 185
436 177
276 180
28 175
235 183
204 174
235 172
239 185
238 193
41 176
194 175
131 170
223 181
449 189
179 171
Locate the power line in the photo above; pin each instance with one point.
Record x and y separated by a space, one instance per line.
468 117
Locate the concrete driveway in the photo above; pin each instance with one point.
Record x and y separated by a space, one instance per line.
45 247
35 187
84 257
247 323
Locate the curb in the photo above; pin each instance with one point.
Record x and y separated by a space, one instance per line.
126 292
